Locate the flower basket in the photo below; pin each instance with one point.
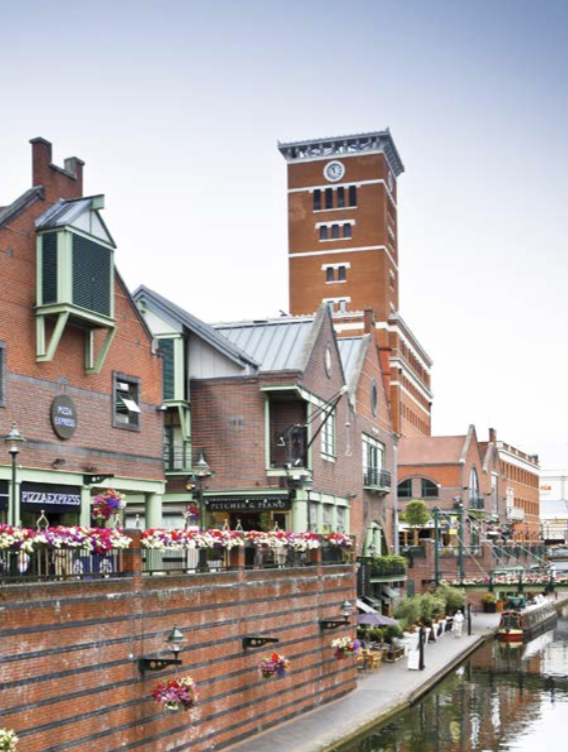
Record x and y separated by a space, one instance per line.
108 504
8 741
178 694
345 646
276 665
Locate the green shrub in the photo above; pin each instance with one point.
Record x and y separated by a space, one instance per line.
389 564
408 609
453 597
489 598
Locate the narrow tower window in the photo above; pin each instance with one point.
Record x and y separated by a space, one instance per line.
340 198
347 231
323 232
329 274
329 198
341 273
352 195
334 231
317 200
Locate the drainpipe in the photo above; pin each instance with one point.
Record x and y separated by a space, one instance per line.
394 492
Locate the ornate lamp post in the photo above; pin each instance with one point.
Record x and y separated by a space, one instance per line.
14 441
201 470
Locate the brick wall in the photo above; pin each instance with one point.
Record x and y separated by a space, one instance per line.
70 679
31 386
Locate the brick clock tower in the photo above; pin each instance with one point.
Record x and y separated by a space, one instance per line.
343 249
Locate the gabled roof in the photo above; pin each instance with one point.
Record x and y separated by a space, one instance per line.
282 344
431 450
82 213
22 202
193 324
353 351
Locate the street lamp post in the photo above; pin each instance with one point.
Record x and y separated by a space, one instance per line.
14 441
201 470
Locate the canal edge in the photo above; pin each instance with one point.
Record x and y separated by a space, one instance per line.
413 697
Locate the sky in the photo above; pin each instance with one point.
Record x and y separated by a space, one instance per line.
177 106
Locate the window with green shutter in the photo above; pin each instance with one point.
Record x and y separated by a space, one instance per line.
166 347
91 275
49 268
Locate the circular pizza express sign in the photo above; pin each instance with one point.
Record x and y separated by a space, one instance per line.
63 416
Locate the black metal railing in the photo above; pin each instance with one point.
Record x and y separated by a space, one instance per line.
477 503
375 478
175 562
58 564
177 458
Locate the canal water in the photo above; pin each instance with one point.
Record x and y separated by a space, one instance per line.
504 698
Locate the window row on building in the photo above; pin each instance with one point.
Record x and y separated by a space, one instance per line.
411 417
335 231
335 272
341 197
519 475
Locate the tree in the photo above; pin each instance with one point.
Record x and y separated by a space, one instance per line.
416 515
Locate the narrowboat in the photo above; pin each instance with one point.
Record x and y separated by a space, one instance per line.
519 624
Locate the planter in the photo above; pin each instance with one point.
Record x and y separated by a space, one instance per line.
490 608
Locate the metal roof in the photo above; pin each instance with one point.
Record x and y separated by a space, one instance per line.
22 202
276 344
195 325
66 212
349 348
347 144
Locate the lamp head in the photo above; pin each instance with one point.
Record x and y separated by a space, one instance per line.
175 640
201 468
346 609
14 440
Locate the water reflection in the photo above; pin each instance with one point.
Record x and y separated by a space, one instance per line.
506 698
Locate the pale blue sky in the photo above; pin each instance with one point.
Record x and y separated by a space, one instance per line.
177 106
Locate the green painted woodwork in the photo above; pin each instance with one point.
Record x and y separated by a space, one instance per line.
166 349
91 274
49 268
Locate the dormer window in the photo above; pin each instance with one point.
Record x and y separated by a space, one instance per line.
126 393
75 261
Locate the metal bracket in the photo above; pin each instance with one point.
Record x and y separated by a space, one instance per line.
255 641
156 664
90 480
333 623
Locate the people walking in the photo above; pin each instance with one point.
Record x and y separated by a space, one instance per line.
458 623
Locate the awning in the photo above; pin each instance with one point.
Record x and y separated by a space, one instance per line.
374 602
362 606
390 592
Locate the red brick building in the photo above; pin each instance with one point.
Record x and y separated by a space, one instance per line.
294 425
521 473
343 250
78 373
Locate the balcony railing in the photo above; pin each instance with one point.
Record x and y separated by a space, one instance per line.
476 503
515 514
177 458
377 480
58 564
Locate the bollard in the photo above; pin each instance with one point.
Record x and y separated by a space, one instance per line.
469 619
421 665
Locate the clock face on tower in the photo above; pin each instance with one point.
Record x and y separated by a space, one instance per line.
333 171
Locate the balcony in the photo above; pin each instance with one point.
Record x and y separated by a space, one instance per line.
515 514
377 480
477 503
177 458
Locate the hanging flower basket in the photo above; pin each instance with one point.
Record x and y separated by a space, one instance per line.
8 741
345 646
108 504
192 513
276 665
178 694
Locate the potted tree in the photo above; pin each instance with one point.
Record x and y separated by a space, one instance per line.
416 515
489 602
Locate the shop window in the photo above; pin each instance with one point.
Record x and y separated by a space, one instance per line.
126 398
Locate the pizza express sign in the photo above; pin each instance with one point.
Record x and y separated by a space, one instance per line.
63 416
50 498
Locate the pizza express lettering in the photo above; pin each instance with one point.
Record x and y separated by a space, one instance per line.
63 416
51 499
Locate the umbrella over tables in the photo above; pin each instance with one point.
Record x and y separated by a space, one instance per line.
376 620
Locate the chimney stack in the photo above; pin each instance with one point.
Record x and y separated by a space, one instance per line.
59 182
492 436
